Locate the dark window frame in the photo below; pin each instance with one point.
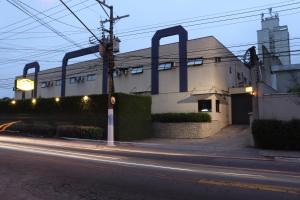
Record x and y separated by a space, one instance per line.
205 105
137 70
218 106
91 77
71 80
160 68
193 61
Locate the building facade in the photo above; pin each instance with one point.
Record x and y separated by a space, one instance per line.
211 70
274 37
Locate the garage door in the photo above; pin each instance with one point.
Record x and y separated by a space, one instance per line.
241 106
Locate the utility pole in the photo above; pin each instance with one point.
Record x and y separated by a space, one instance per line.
255 79
109 46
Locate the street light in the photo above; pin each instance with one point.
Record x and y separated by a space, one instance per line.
57 99
13 102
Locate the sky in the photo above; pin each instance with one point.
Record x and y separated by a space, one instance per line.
56 32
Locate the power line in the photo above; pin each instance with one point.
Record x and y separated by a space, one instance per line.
29 29
80 21
27 12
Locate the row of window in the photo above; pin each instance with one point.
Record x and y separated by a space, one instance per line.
72 80
117 72
162 66
205 106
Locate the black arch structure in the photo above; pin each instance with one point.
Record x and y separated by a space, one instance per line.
183 38
36 67
79 53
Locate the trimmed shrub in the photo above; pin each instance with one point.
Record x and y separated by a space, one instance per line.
42 130
83 132
132 117
181 117
276 134
132 113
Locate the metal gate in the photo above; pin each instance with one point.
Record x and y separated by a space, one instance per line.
241 106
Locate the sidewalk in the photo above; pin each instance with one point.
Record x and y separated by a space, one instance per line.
234 141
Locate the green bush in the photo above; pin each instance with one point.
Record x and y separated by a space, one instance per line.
43 130
132 117
181 117
276 134
132 113
83 132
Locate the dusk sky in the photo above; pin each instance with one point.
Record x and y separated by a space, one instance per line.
24 40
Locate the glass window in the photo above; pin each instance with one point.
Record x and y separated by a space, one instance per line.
165 66
137 70
195 61
217 105
116 72
58 83
44 84
73 80
218 59
204 105
91 77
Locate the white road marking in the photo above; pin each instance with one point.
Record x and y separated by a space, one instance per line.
114 160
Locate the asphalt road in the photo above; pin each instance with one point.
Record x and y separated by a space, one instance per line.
33 172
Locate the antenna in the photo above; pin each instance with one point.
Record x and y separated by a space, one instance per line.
270 11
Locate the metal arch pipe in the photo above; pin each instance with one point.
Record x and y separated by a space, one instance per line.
183 75
36 67
79 53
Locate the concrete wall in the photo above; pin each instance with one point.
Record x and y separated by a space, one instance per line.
279 106
186 130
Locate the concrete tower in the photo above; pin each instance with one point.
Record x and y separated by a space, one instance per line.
274 37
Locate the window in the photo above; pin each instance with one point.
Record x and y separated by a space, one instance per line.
195 61
217 105
137 70
44 85
116 72
230 71
165 66
218 59
73 80
91 77
58 83
204 106
238 76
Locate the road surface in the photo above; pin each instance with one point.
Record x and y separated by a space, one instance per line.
37 172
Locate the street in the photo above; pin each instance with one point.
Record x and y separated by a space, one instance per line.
52 172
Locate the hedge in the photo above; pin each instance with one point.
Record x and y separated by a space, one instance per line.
33 129
132 113
181 117
276 134
83 132
132 117
50 130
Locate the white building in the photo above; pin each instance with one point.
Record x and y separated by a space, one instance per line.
212 70
274 37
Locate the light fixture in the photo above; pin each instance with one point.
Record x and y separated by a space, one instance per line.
249 89
13 102
57 99
85 99
33 101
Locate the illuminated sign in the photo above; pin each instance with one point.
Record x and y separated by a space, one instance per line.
25 84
